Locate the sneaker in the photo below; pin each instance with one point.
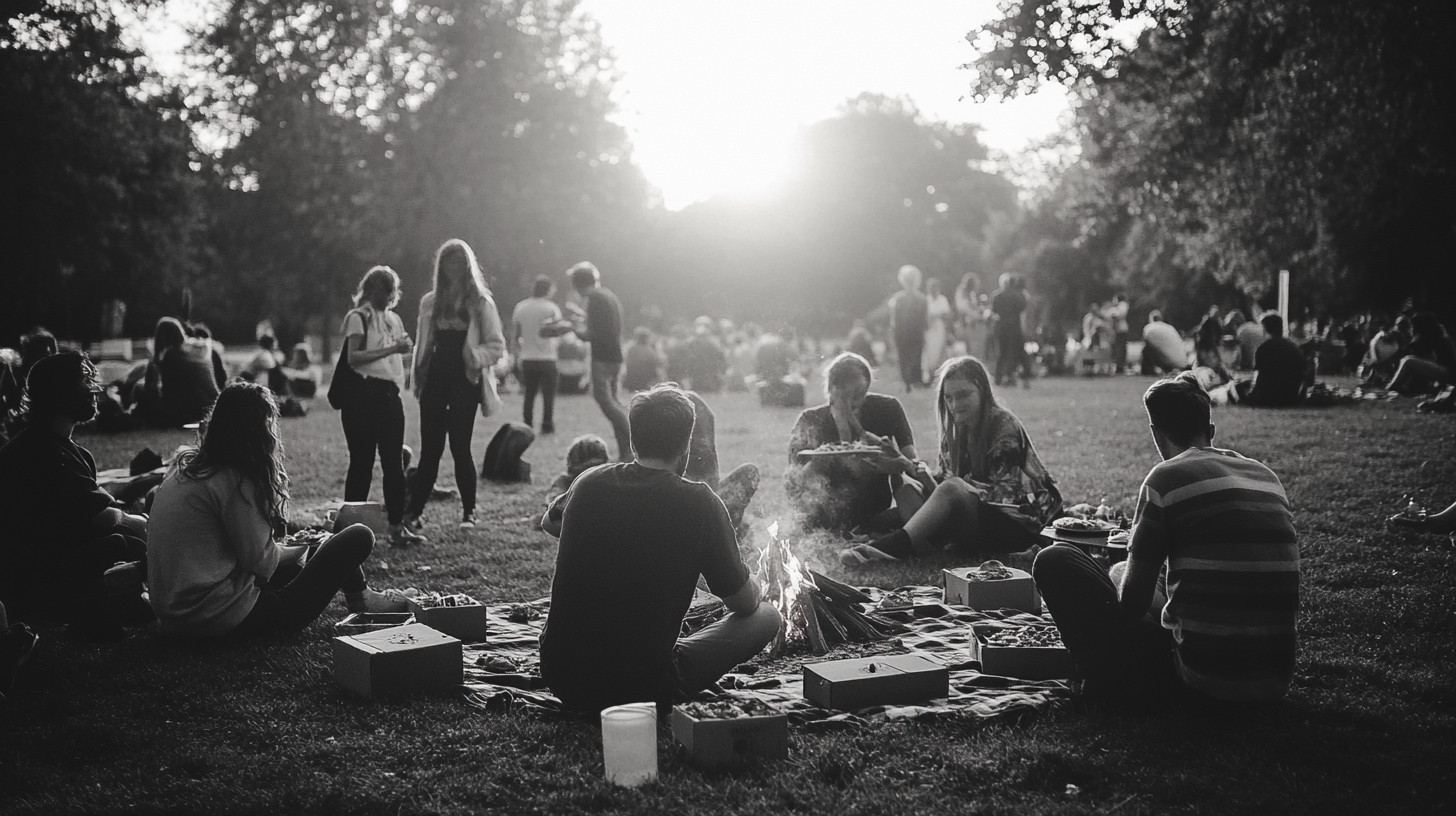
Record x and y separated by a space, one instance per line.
413 523
467 522
402 536
547 429
124 580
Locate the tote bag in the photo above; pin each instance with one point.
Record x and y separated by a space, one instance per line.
347 382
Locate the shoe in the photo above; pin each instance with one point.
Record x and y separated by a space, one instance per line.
124 580
862 554
413 523
547 429
376 602
402 536
468 521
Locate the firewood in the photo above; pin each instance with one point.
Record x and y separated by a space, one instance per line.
828 619
817 643
837 590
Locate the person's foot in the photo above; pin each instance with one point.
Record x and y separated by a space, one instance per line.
402 536
861 554
467 522
413 523
372 601
124 580
547 429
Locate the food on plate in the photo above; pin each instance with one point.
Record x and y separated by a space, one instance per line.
989 571
846 447
1038 637
1077 525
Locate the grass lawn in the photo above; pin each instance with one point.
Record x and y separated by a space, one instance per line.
147 725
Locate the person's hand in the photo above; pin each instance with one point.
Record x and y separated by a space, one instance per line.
891 459
404 346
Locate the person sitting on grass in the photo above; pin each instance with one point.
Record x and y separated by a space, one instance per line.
1278 369
215 568
843 493
992 496
586 452
64 533
1430 359
635 537
17 642
1220 525
301 374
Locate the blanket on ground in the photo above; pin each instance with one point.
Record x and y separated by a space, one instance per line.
505 672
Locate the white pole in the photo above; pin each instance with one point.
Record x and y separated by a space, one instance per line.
1284 296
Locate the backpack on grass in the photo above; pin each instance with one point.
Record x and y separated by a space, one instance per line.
503 454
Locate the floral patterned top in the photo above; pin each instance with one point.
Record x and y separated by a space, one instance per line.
1006 466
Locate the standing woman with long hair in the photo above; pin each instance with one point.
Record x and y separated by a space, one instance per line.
460 339
213 565
376 342
992 495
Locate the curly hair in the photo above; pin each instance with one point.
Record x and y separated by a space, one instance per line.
241 433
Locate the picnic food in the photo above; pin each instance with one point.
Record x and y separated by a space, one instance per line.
989 571
1027 637
844 447
727 709
430 600
1077 525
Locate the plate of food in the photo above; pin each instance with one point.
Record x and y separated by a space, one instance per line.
843 449
1088 527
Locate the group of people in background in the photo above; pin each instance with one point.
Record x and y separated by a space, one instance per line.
927 327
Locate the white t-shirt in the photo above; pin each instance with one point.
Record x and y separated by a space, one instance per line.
531 314
1166 339
385 330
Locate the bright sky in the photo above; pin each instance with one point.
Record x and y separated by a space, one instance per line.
713 92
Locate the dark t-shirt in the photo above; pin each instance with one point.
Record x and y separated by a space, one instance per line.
843 498
604 325
633 542
1280 372
48 498
1008 304
910 312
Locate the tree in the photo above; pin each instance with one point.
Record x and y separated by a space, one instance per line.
1232 139
98 195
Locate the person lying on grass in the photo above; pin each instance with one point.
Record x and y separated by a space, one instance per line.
215 568
1220 525
635 536
65 532
842 493
992 496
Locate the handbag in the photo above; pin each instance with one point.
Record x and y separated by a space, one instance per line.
348 382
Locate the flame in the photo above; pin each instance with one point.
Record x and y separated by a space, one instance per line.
773 530
783 578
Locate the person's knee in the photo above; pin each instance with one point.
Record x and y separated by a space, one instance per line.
762 624
354 541
1054 561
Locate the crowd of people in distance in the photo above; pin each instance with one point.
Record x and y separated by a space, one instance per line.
1203 608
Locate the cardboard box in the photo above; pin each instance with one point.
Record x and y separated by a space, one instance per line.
1017 592
370 514
358 622
466 622
723 743
1024 662
847 685
397 661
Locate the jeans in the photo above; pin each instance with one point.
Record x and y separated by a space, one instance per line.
294 597
1011 355
539 375
1111 651
376 422
604 391
447 408
701 658
909 348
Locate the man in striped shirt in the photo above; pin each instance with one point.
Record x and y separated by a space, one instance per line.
1221 525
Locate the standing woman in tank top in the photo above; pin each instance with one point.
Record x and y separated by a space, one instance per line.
459 339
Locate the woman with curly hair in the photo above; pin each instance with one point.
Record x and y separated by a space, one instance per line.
460 339
992 494
214 566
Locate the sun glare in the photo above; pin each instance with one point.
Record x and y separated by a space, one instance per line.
738 162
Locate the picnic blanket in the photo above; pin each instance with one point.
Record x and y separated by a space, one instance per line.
504 673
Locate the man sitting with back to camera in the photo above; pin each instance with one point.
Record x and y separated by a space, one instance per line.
635 536
1221 524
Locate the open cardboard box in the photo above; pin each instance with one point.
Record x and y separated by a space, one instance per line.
467 621
357 622
724 743
1017 592
847 685
1024 662
398 661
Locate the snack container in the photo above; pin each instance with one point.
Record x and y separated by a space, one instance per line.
467 622
1024 662
847 685
724 743
398 661
1017 592
358 622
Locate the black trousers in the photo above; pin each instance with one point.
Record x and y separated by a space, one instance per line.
909 347
376 423
295 596
539 375
447 409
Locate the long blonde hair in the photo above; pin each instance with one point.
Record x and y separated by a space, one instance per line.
963 450
458 283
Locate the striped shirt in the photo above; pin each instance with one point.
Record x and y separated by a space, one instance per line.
1222 524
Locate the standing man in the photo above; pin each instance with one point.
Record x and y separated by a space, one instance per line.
909 318
600 325
1008 303
533 341
1117 315
1220 623
635 536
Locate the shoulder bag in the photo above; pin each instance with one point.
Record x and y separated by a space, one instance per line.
348 382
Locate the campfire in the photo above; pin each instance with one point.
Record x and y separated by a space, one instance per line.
817 611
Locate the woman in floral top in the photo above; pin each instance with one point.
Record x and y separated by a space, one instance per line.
991 496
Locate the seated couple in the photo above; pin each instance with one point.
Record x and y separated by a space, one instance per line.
1206 604
992 496
635 537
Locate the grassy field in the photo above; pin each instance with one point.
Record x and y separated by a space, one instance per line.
147 725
